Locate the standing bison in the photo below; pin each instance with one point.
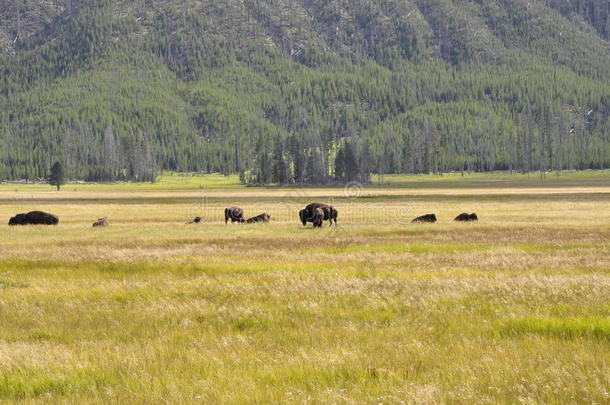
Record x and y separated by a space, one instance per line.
318 218
311 214
235 214
259 218
428 218
466 217
34 218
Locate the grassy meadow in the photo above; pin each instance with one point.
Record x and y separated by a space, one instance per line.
512 309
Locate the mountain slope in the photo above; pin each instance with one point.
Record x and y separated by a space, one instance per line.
275 89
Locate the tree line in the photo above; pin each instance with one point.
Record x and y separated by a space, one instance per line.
231 88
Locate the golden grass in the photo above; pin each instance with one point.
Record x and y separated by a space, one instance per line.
151 310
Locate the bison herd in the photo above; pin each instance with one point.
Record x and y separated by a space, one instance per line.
315 213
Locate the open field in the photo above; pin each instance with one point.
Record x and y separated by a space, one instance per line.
512 309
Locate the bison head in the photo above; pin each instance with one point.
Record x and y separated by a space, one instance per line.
318 217
19 219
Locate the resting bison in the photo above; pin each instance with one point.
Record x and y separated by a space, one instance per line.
34 218
19 219
466 217
102 223
235 214
259 218
196 220
430 218
309 213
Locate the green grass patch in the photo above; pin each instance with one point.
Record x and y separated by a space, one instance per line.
4 283
311 378
171 181
493 178
413 248
541 248
29 383
565 328
84 270
167 181
249 323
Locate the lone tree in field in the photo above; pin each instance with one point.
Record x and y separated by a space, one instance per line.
57 177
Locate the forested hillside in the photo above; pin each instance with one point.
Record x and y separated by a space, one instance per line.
306 91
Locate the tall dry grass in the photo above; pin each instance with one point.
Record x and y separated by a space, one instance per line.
151 310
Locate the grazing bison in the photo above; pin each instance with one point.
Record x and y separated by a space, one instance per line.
318 218
259 218
102 223
235 214
308 214
196 220
34 218
429 218
466 217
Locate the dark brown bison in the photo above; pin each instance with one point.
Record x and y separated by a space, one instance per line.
466 217
235 214
259 218
196 220
318 218
102 223
34 218
308 214
19 219
428 218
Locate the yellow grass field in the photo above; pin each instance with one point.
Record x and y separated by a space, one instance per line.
512 309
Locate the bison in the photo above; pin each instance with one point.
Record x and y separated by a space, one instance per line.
259 218
196 220
19 219
308 214
34 218
235 214
318 218
428 218
102 223
466 217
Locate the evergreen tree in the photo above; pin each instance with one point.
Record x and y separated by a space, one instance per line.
57 177
352 169
280 173
340 165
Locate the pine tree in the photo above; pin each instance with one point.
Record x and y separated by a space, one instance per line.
57 177
352 169
280 168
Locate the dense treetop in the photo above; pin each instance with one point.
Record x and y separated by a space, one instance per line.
302 91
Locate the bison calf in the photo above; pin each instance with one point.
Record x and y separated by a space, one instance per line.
102 223
428 218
